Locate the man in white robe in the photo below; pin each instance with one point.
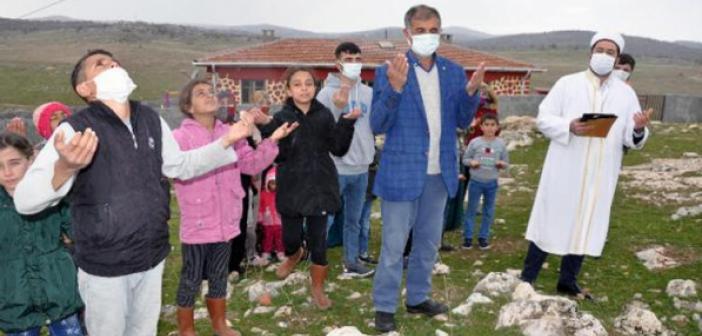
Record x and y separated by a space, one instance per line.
570 216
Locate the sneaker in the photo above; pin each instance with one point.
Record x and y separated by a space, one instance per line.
483 244
384 322
281 256
467 244
357 270
429 308
368 259
261 261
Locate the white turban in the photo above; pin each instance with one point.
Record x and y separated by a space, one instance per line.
614 37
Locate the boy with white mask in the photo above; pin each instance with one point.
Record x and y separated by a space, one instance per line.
419 99
570 216
115 157
624 67
343 92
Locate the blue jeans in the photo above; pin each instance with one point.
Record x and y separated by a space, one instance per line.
353 193
425 217
476 189
364 234
70 326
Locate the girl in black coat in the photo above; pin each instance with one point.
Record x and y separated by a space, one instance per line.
308 187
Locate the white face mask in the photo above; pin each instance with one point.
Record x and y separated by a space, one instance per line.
114 84
623 75
601 64
351 70
425 45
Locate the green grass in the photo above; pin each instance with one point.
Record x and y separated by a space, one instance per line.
617 274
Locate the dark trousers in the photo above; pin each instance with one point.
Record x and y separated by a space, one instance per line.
198 259
294 235
239 242
570 266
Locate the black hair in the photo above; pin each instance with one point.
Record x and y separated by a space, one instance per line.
78 75
346 47
421 12
18 142
489 116
625 58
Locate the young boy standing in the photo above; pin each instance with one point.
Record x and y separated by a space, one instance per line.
119 193
343 93
485 156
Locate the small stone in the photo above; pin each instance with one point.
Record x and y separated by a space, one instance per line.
500 221
263 310
440 332
545 265
283 312
478 263
680 319
354 296
282 324
681 288
638 296
441 317
200 313
690 155
441 269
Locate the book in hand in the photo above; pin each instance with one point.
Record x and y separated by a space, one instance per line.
599 123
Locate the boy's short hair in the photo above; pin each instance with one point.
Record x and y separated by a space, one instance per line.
421 12
186 95
346 47
625 58
489 116
77 75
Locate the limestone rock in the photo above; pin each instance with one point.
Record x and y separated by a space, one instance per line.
440 269
497 283
681 288
638 320
655 258
346 331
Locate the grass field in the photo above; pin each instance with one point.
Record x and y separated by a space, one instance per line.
617 274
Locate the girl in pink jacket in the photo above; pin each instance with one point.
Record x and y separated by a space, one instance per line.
210 205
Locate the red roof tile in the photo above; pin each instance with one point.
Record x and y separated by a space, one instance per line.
320 52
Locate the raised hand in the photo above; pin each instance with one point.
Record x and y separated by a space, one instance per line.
476 79
78 152
17 126
283 131
474 163
259 118
238 130
340 98
641 119
500 164
397 72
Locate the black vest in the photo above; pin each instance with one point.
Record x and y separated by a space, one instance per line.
120 202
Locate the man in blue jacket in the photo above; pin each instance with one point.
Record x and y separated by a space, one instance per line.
419 100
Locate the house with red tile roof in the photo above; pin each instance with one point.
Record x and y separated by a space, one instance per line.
242 71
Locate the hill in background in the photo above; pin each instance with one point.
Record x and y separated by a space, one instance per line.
37 56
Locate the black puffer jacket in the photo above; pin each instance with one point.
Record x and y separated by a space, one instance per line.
307 179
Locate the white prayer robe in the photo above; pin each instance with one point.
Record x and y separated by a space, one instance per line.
572 206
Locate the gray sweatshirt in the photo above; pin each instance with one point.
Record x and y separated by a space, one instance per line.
487 153
362 150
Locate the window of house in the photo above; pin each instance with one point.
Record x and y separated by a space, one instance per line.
248 87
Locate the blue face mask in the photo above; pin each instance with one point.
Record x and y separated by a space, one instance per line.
425 45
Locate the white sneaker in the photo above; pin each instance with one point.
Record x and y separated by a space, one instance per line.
281 256
261 261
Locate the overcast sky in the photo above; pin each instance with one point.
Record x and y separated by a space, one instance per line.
660 19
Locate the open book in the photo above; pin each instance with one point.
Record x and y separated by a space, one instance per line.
600 124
